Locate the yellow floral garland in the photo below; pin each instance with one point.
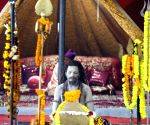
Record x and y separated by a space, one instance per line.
39 57
138 87
146 77
44 27
6 64
131 74
72 96
142 92
41 119
17 72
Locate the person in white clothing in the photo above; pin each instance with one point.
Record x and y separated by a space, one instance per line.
69 55
73 81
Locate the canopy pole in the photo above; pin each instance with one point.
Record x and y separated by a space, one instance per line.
97 18
12 14
148 100
138 112
62 9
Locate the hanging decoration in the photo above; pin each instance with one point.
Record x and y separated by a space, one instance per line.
142 92
132 68
131 74
146 78
41 95
11 53
43 25
6 73
40 118
132 87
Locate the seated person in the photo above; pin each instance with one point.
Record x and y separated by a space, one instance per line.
73 99
69 55
73 74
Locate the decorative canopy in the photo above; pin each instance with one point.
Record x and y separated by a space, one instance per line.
83 33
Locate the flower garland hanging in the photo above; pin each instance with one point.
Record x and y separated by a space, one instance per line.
146 45
6 64
130 69
142 92
131 78
41 119
43 27
10 54
142 103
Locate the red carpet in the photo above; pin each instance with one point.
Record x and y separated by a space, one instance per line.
113 120
21 118
123 121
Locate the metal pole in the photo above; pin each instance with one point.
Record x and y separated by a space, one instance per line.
148 100
62 9
12 6
131 117
138 112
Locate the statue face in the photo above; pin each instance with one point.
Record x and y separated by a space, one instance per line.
72 74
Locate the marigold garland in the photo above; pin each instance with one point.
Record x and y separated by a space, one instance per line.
142 92
39 57
137 87
17 72
98 121
146 77
131 75
41 119
6 63
44 27
142 103
72 95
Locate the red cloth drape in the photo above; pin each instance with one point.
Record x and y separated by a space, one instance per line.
2 4
125 3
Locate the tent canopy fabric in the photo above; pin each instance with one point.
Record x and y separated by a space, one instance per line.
83 33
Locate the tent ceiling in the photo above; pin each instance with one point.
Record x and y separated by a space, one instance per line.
83 33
